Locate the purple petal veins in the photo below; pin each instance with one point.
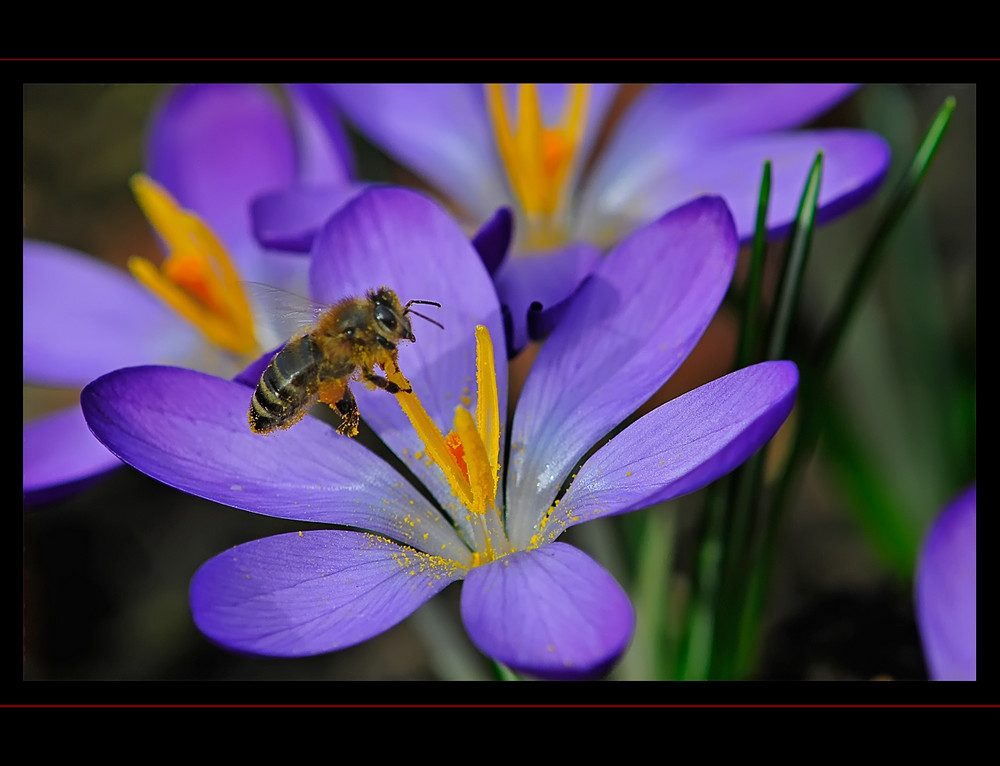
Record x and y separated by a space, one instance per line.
189 430
552 612
544 608
311 592
681 446
631 325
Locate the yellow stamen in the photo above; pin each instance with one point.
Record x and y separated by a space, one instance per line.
198 279
480 481
434 443
469 456
488 404
539 159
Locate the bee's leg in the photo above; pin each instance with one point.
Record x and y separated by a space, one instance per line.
350 417
388 385
385 343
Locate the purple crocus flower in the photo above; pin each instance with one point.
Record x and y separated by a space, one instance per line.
946 592
531 148
211 149
495 504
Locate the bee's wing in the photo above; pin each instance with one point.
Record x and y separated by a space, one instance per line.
287 313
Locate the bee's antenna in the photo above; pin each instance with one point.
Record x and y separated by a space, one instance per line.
408 310
432 321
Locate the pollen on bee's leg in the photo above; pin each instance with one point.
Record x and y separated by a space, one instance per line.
350 424
338 397
334 392
351 418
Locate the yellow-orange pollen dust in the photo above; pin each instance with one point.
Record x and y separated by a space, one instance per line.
469 455
198 279
539 160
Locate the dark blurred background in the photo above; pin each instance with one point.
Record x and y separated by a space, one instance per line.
106 572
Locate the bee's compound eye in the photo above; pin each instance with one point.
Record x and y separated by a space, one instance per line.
385 317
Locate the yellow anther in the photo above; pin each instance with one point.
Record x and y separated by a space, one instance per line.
469 455
539 159
434 443
197 279
488 404
480 480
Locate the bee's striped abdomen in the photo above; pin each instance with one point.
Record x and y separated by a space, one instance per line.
288 386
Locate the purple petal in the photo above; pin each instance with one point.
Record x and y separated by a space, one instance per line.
552 612
531 282
312 592
704 112
61 456
190 431
854 164
665 122
492 241
681 446
215 148
324 150
82 318
542 321
395 237
946 592
441 131
289 219
631 325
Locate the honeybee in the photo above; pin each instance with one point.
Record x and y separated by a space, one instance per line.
347 341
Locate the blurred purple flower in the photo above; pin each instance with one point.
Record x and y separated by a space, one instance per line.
946 592
537 605
535 149
212 148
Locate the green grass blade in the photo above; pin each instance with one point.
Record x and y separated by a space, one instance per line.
813 377
790 284
826 348
750 328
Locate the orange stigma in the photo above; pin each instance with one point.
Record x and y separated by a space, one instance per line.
198 278
540 160
469 455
